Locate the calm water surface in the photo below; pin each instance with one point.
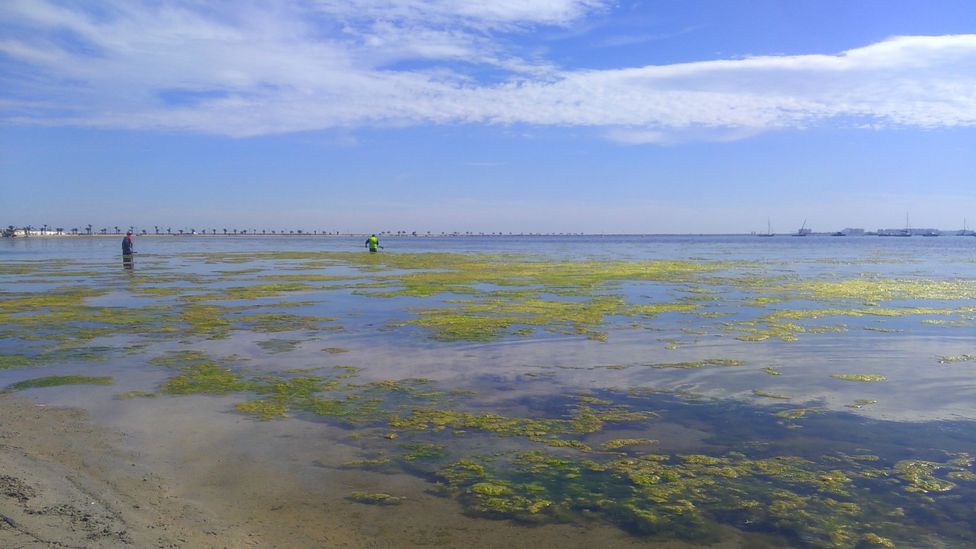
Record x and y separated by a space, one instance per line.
706 423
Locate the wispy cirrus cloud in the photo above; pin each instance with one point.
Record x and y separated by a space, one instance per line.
254 69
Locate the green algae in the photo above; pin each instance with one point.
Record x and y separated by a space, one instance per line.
335 350
506 296
585 419
967 476
136 394
957 358
920 476
725 362
649 494
671 344
178 359
239 272
875 539
879 289
767 394
423 451
263 409
253 291
281 322
206 320
376 498
880 329
865 378
781 324
488 319
960 323
369 463
657 494
794 414
8 362
199 374
771 371
617 443
546 300
55 381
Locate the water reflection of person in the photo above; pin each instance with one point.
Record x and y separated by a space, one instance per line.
127 262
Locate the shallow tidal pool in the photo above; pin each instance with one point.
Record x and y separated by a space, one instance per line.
727 391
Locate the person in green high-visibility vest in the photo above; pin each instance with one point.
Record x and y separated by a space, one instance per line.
372 243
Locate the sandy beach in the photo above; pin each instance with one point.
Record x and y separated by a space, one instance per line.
67 483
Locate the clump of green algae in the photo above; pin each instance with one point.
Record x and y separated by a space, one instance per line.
957 358
15 361
701 363
866 378
54 381
378 498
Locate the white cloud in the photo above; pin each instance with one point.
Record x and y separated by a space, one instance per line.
260 70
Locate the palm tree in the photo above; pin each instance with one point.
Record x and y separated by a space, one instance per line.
88 228
59 230
104 230
169 230
74 231
117 231
156 227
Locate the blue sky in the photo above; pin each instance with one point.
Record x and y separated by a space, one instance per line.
512 115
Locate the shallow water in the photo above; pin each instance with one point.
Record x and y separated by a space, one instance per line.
736 391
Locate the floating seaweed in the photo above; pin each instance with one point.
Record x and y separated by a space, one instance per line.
957 358
767 394
866 378
54 381
700 363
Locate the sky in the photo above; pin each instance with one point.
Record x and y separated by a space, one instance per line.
668 116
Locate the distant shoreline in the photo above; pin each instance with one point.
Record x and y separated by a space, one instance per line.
937 232
385 235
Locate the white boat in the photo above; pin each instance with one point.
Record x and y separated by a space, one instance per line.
965 230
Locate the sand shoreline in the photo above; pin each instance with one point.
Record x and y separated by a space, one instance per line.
65 482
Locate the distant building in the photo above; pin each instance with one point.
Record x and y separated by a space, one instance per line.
853 232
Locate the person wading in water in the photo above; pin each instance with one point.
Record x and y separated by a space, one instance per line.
372 243
127 244
127 250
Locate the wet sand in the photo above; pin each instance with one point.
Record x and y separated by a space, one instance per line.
65 482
